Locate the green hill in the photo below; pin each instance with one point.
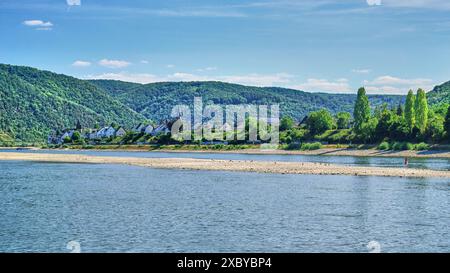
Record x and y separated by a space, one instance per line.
156 100
33 102
440 94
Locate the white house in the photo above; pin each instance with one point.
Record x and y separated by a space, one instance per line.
101 133
92 134
68 133
148 129
53 138
139 128
110 131
161 130
106 132
121 132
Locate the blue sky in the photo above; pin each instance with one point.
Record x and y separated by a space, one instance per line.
389 46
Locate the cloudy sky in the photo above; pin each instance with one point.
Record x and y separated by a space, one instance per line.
389 46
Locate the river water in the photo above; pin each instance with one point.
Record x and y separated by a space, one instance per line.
116 208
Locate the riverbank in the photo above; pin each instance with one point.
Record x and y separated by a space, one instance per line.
228 165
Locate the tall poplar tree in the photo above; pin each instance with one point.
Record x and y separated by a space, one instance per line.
361 113
421 108
410 114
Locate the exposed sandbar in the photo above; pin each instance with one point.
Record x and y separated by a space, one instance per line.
229 165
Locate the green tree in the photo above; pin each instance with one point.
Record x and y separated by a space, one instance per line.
361 112
320 121
67 139
286 123
385 122
421 108
447 123
367 133
343 120
399 130
435 128
76 136
400 111
410 114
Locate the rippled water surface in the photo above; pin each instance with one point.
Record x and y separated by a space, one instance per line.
115 208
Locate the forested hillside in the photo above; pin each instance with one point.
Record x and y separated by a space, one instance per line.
33 102
156 100
440 94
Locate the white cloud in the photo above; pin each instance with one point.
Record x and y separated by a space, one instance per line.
74 2
394 85
384 90
374 2
390 80
186 77
323 85
279 79
127 77
144 62
439 4
362 71
211 68
81 64
250 79
170 66
38 24
114 63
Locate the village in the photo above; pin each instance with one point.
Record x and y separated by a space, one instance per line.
144 133
108 133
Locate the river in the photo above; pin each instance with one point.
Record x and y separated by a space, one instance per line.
115 208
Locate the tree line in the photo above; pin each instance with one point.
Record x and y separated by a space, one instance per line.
412 122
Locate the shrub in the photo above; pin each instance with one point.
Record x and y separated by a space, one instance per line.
383 146
409 146
293 146
311 146
422 146
340 136
88 147
398 146
218 147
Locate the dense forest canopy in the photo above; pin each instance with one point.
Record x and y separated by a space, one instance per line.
156 100
34 102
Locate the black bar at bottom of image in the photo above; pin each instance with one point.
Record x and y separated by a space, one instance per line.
227 262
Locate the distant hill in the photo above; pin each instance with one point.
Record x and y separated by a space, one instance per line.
440 94
33 102
156 100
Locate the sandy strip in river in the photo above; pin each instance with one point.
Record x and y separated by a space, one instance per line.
229 165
